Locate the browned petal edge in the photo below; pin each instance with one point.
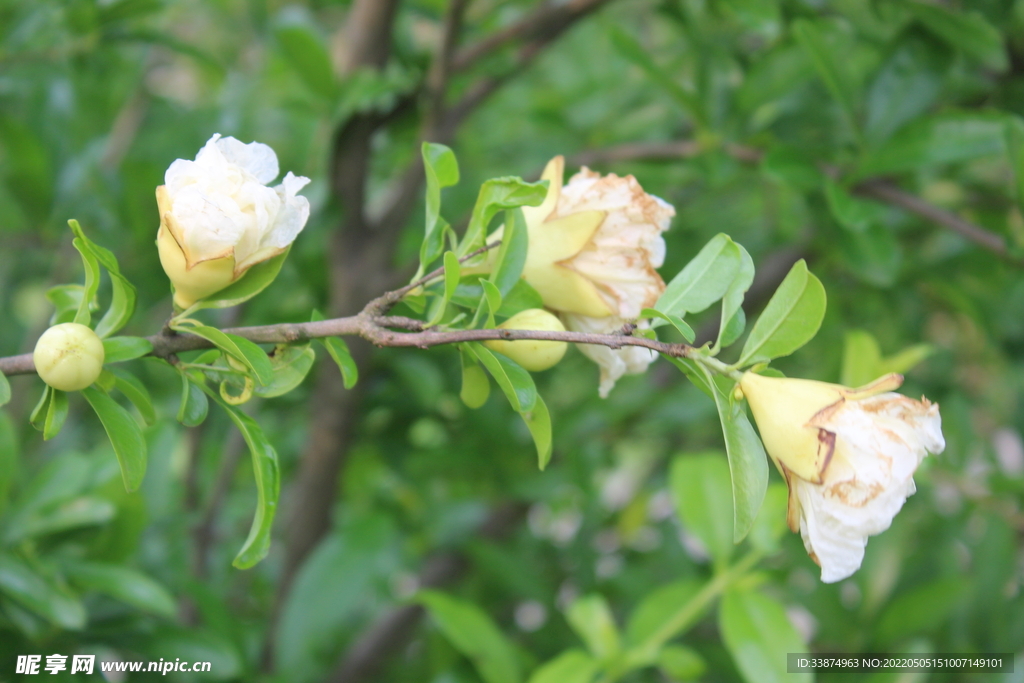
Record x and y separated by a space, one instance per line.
793 504
174 228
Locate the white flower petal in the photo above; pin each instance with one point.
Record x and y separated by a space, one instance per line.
614 363
255 158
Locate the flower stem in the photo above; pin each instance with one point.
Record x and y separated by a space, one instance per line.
717 366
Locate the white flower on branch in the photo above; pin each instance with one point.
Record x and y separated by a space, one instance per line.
595 245
218 218
848 456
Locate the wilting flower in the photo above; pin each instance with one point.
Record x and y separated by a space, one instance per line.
594 246
848 456
218 218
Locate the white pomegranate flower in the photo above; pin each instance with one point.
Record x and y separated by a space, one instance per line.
218 218
848 456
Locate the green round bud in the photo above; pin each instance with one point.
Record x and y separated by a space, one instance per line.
69 356
532 354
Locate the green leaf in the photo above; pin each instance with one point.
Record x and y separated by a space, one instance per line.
37 418
873 255
748 463
863 362
572 666
733 320
702 494
968 32
779 72
124 434
661 616
694 373
831 70
793 167
685 330
592 620
120 349
30 589
452 273
514 380
790 320
136 392
636 53
308 57
681 663
475 635
704 280
254 281
498 194
75 513
338 350
508 267
56 413
122 304
475 385
66 300
244 351
770 525
5 390
852 213
758 635
442 170
538 421
193 406
124 584
291 363
906 86
937 140
268 485
8 458
520 298
921 609
92 281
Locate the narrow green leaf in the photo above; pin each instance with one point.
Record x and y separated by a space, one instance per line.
475 635
66 300
255 280
830 69
338 350
125 584
514 381
8 459
733 319
475 385
748 463
120 349
56 413
242 350
758 635
694 373
688 334
702 494
906 86
5 390
496 195
268 484
452 274
508 267
572 666
193 406
291 363
136 392
76 513
861 358
790 320
968 32
31 590
856 215
538 421
37 418
591 618
122 306
704 280
124 434
681 663
442 170
521 297
770 524
92 281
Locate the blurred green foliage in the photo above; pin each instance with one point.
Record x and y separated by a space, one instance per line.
790 105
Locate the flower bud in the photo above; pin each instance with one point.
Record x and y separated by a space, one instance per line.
532 354
218 217
69 356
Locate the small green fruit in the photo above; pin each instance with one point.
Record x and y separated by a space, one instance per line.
533 355
69 356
